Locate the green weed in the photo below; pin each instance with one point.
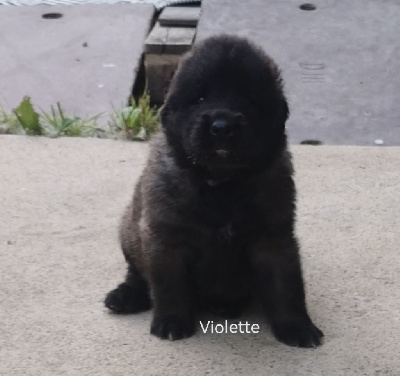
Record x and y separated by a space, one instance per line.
59 124
28 118
137 121
8 122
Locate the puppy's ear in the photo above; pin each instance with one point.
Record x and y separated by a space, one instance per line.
165 114
285 109
283 113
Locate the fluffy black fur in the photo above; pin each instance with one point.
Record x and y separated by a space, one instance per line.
211 224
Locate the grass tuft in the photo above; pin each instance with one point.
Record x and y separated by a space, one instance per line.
8 122
137 121
60 124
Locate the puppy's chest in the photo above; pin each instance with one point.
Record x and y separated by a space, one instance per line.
226 234
224 209
227 226
227 223
223 257
222 264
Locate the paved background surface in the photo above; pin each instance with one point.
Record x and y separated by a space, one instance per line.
87 59
61 201
157 3
339 62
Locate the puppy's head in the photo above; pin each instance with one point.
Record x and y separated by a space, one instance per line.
225 112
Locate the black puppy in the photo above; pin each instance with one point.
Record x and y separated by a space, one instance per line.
211 224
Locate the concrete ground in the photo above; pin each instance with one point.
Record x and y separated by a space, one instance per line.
339 62
61 200
86 60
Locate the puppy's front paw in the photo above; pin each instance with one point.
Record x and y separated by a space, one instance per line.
127 299
299 332
172 327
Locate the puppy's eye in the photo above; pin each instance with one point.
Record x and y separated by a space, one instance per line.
197 100
253 100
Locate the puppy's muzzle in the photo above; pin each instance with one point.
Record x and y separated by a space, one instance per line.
223 125
221 128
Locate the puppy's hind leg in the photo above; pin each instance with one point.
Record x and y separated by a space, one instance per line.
130 296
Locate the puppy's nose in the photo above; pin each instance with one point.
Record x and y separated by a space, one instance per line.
221 128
